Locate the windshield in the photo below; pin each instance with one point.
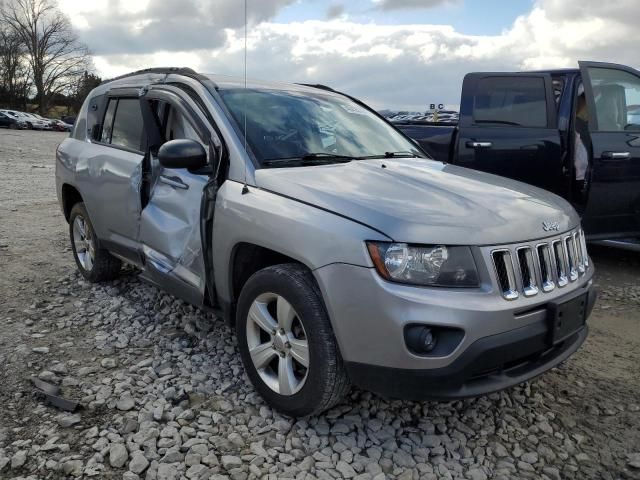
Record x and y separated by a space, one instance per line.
290 124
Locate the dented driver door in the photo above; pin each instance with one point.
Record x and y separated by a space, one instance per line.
170 237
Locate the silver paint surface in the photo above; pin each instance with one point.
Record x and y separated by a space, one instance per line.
423 201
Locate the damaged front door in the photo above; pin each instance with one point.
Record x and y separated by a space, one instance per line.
170 221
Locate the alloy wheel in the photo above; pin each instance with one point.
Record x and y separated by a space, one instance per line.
83 242
277 344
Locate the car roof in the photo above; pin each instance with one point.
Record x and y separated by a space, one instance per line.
222 82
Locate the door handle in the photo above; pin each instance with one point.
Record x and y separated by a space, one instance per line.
174 182
616 155
531 148
473 144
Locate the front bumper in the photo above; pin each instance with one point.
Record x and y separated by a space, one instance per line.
504 343
488 365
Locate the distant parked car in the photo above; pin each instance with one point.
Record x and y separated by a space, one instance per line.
37 122
69 119
60 126
48 121
9 121
32 122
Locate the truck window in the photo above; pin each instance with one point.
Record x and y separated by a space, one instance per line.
505 101
617 99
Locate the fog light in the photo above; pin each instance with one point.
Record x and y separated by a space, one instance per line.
421 339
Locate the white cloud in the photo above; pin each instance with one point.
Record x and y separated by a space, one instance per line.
403 66
410 4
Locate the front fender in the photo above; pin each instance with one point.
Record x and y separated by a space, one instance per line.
310 235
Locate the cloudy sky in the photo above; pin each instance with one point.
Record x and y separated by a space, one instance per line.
400 54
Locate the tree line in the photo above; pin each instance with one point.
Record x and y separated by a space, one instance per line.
42 61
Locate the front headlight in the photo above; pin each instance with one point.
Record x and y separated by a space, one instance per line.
435 265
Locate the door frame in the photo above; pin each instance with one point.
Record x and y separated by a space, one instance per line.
595 133
588 87
200 119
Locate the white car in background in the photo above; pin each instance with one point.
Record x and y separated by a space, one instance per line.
36 122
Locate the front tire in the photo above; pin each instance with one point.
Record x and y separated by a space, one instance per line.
95 264
286 342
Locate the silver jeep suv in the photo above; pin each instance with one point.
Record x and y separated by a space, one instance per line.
341 252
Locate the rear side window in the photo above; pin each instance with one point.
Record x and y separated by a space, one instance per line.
108 121
123 125
509 101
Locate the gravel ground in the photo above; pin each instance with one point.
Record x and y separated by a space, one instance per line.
164 395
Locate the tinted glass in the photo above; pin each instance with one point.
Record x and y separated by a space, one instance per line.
511 101
107 125
290 124
127 124
617 98
178 126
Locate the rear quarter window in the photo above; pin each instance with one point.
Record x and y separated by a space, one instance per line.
510 101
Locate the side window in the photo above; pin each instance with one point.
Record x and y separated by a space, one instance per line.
128 125
617 99
178 126
508 101
107 125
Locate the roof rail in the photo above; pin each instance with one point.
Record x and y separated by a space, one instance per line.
188 72
317 85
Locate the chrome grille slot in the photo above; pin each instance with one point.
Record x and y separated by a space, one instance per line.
572 257
505 274
527 271
546 267
581 243
560 260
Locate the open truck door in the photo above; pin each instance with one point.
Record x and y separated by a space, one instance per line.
508 127
613 100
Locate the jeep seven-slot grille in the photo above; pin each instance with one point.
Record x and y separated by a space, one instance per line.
531 269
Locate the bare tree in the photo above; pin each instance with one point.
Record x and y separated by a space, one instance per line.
14 73
56 58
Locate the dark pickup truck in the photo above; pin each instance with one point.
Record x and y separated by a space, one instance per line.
575 132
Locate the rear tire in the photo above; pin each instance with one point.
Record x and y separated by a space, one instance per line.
95 264
286 300
12 126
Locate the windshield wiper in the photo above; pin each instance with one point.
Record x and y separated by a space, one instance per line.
309 159
392 155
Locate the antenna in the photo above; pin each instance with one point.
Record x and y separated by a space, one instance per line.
245 188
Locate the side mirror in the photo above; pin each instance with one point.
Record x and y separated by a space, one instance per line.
182 153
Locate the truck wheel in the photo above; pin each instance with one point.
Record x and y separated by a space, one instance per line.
287 343
95 264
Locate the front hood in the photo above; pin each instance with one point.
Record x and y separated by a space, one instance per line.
423 201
